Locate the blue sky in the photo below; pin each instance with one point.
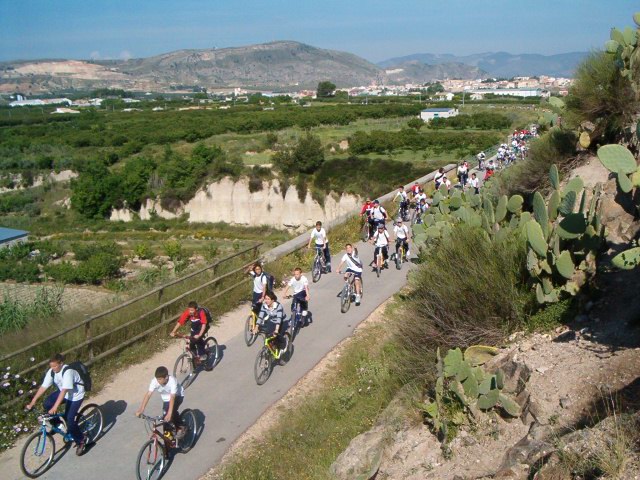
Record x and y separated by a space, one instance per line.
373 29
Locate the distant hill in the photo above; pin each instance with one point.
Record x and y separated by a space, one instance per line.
271 65
501 64
414 71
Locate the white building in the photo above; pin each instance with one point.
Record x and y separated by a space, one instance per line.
429 114
10 237
511 92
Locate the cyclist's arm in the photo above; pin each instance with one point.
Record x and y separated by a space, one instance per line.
59 400
35 398
339 267
306 289
143 405
180 322
286 290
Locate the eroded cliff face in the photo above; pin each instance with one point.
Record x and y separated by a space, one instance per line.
232 202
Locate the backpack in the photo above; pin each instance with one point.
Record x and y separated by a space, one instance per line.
271 281
207 315
82 370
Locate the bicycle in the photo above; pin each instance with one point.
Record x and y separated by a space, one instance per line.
401 255
404 211
319 265
416 215
269 355
365 233
39 450
153 455
186 364
348 292
295 323
380 262
250 333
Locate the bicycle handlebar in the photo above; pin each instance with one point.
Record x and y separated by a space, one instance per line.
181 335
153 419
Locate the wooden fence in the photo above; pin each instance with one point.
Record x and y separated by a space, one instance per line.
87 336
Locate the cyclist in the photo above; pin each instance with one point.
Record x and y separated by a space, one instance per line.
199 327
491 169
354 267
365 212
260 282
322 244
70 391
474 183
438 177
379 213
300 286
273 313
404 201
463 173
415 189
172 394
401 233
481 156
381 241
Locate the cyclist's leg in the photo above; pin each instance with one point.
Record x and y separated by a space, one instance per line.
175 415
256 304
70 413
199 344
49 402
327 257
385 253
376 252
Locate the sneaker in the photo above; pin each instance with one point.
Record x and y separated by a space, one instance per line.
80 448
357 299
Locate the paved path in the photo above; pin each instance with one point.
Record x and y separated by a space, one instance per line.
227 400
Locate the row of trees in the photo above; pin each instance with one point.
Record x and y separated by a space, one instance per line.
463 143
479 120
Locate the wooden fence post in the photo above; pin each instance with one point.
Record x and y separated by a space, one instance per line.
87 336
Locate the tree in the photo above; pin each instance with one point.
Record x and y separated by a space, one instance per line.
325 89
95 190
416 123
435 88
306 157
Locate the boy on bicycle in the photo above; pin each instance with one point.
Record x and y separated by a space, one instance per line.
381 241
401 233
260 282
322 244
404 201
271 318
172 395
199 327
301 296
354 267
70 391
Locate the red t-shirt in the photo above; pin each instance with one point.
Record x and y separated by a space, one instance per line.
198 317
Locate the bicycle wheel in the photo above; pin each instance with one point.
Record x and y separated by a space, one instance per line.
249 336
151 459
90 421
399 256
345 299
212 351
188 419
263 366
183 370
365 232
316 272
286 351
378 266
37 454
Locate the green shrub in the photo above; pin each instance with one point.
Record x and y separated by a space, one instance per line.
64 272
143 251
99 268
553 315
86 250
173 249
468 290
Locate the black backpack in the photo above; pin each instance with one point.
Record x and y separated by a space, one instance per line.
82 370
207 314
271 281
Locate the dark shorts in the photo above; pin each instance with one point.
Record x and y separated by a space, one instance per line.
300 299
355 274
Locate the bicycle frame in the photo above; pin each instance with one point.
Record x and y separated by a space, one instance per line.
156 435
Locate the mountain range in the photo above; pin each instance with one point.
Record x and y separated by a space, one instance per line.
500 64
281 65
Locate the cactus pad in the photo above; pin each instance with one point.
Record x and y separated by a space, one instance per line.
535 237
572 226
617 158
554 176
514 205
628 259
585 140
567 204
565 266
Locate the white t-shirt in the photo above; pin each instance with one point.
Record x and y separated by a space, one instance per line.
259 282
298 285
320 236
351 264
401 232
462 169
473 182
438 177
403 196
172 387
70 380
420 196
381 240
378 213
